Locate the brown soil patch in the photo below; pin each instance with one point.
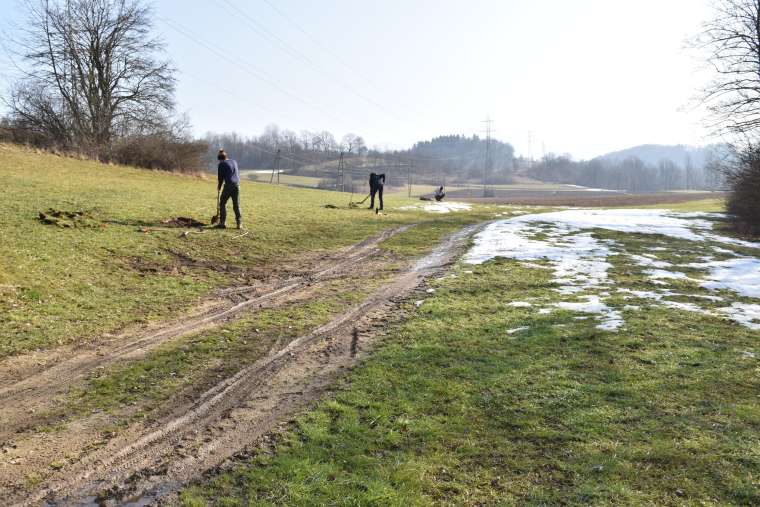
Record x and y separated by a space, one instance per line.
146 462
183 222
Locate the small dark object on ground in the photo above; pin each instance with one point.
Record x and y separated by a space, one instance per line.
331 206
424 198
67 219
183 222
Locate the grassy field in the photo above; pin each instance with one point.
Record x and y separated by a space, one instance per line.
452 409
118 264
455 410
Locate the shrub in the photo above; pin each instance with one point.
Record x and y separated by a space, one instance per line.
744 198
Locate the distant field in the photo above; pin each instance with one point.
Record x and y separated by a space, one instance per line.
458 191
590 199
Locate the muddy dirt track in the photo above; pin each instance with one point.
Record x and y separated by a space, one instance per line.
145 463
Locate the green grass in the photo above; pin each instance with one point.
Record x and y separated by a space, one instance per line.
453 410
700 205
62 285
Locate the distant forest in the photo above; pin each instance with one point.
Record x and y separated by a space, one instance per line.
631 173
458 159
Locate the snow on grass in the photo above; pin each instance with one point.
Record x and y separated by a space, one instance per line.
579 260
741 275
440 207
517 330
520 304
745 314
662 274
611 319
650 261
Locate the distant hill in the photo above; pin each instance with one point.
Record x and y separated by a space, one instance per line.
652 154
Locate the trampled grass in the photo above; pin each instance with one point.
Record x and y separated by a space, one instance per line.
455 410
65 284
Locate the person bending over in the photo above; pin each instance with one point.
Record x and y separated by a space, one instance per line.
439 194
229 176
376 183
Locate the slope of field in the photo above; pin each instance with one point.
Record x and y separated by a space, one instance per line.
594 362
117 263
121 320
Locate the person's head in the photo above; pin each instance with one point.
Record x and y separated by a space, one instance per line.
222 155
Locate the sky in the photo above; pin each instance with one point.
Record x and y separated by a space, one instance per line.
583 77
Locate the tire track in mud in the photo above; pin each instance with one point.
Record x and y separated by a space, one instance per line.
144 465
22 398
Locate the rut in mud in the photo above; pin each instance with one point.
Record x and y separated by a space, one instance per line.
151 462
29 390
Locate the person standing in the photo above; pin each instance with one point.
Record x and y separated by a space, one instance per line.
376 183
229 176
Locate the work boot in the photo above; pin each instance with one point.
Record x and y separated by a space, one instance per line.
239 225
220 226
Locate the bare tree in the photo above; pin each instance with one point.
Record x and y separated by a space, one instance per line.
732 40
95 73
352 143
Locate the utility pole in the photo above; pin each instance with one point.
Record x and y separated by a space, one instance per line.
276 168
341 173
409 177
487 165
530 148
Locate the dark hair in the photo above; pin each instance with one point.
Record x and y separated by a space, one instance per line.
222 155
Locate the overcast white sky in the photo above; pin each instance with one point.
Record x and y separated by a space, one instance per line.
585 76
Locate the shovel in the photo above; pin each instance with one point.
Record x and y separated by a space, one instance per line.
215 218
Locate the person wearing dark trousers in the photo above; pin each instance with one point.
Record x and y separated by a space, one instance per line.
439 194
229 176
376 183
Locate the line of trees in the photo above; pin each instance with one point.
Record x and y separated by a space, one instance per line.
296 149
630 174
96 81
456 158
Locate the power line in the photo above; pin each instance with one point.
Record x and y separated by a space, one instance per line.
243 65
300 28
295 53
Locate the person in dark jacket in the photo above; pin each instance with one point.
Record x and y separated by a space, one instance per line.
376 183
229 176
439 194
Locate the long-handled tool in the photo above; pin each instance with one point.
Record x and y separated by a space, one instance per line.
215 218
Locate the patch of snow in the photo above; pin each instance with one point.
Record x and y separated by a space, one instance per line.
419 303
579 261
517 330
741 275
744 314
440 207
545 311
650 261
611 318
533 265
725 251
689 307
660 274
521 304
